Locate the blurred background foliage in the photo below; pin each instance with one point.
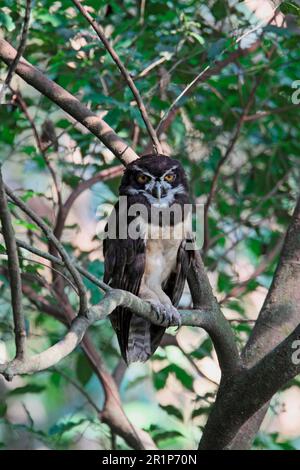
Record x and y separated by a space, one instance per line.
165 45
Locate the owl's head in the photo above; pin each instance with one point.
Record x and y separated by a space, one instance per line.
161 180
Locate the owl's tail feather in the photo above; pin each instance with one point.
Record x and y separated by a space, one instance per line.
139 340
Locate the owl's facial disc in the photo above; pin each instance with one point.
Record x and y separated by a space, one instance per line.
160 181
158 190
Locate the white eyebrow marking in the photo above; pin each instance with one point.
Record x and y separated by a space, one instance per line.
134 167
169 171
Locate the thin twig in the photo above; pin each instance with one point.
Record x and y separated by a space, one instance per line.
52 269
204 75
21 49
60 262
61 250
99 31
79 388
103 175
270 112
151 66
42 148
239 289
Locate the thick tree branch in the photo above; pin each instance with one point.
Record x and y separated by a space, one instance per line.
267 357
112 413
99 31
215 323
80 324
249 391
280 313
14 273
69 104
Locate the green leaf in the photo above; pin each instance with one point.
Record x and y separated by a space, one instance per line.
3 409
173 411
204 349
136 381
254 245
30 388
198 37
56 379
96 268
290 8
54 20
219 10
32 268
6 21
160 377
61 428
224 282
83 369
205 410
163 435
27 225
29 194
71 180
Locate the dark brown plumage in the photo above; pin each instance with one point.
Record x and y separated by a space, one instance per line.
133 264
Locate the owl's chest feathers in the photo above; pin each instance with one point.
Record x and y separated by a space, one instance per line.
161 258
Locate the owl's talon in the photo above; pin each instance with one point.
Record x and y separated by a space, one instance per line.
167 315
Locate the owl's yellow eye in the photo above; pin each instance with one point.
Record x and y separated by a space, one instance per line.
169 178
142 179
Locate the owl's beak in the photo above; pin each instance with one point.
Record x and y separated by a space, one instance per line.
156 191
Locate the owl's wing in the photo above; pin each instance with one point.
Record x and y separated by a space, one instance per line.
174 286
175 283
124 267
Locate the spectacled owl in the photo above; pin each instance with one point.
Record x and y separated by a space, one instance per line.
152 260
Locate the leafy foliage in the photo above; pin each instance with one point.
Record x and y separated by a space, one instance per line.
164 48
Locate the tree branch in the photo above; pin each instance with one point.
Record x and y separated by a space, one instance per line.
61 250
99 31
248 392
42 148
204 75
239 289
69 104
103 175
267 357
58 261
20 50
215 323
271 112
112 413
226 156
14 273
80 324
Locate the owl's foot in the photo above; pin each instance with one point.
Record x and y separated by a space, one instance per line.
166 315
